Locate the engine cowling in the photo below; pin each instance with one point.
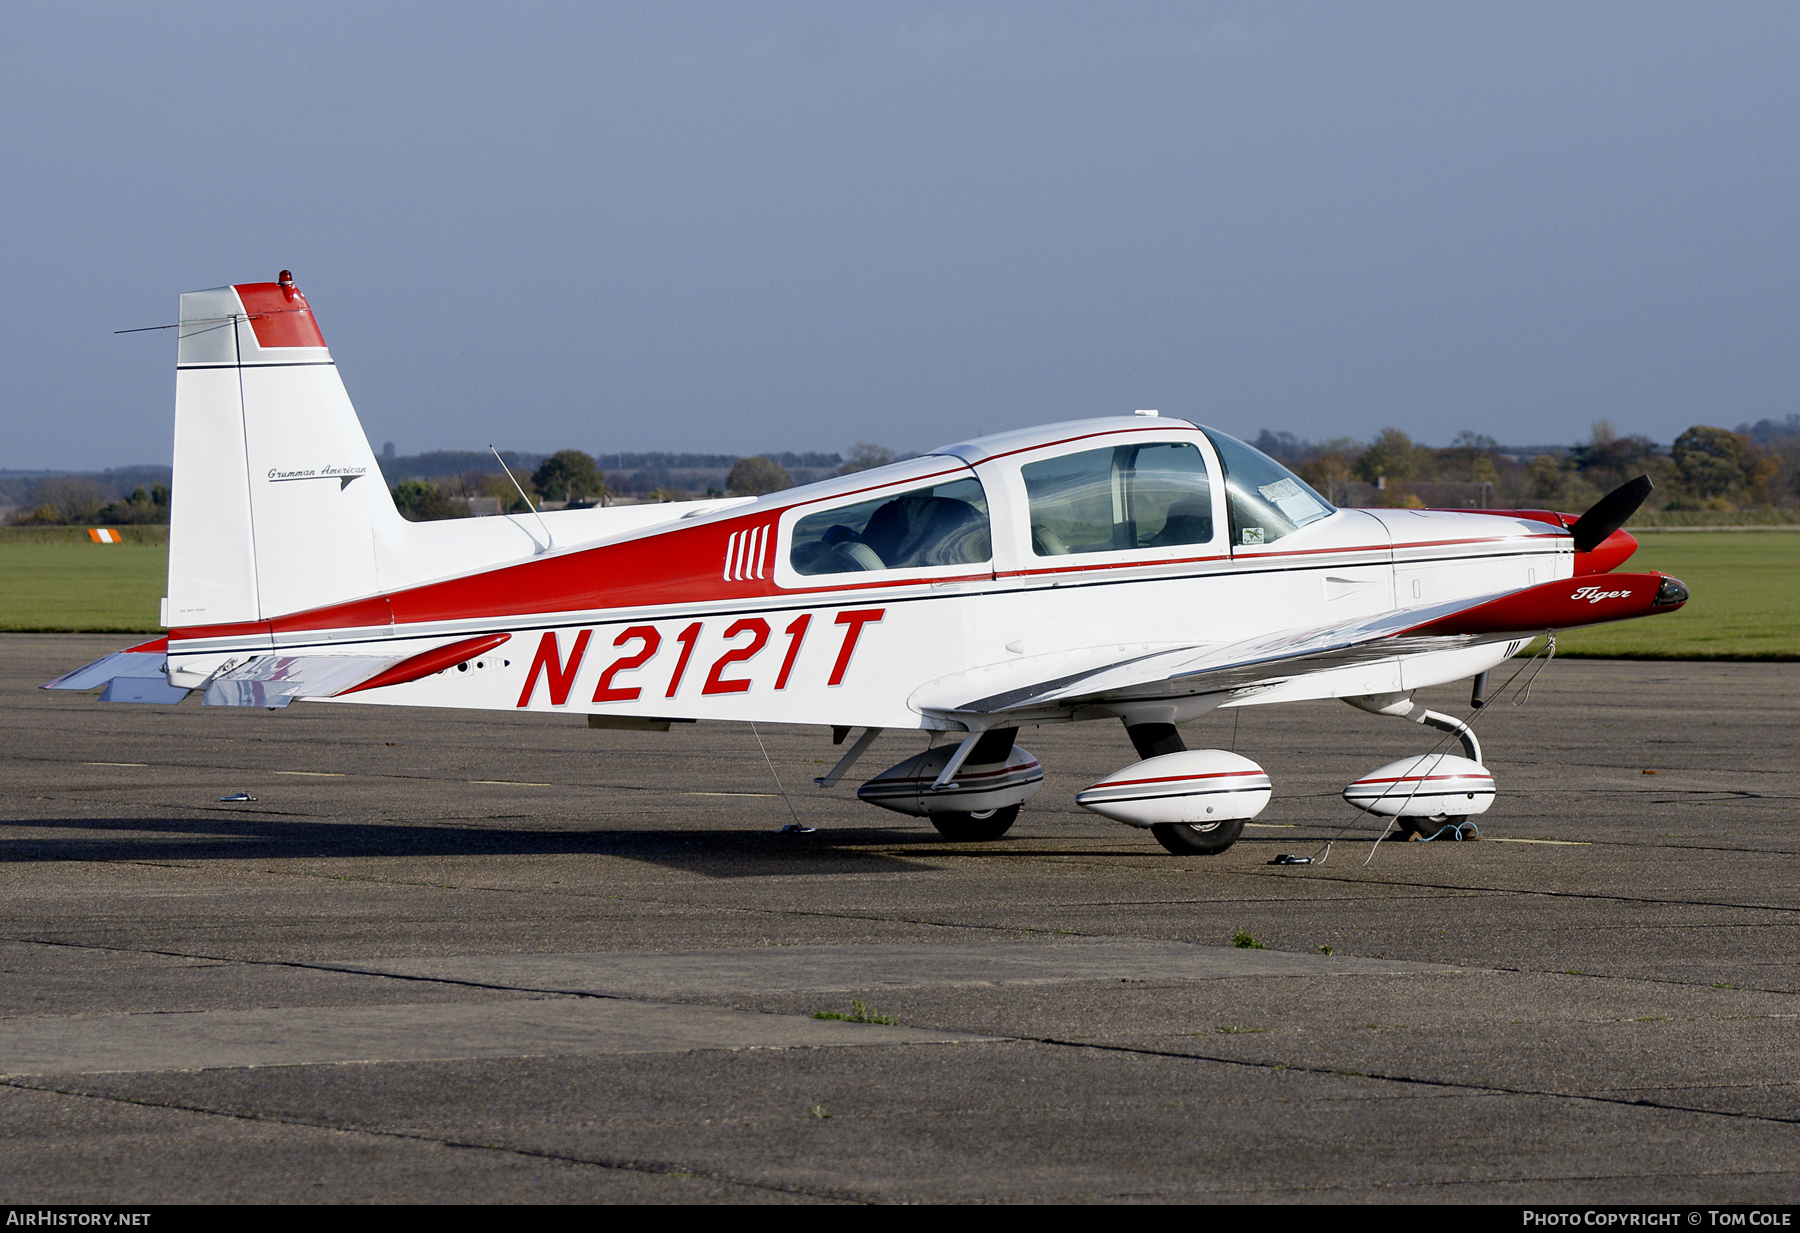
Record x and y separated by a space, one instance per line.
1194 787
978 787
1428 786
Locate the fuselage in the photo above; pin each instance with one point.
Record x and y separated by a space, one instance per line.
865 599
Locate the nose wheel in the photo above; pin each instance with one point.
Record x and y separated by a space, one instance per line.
1426 829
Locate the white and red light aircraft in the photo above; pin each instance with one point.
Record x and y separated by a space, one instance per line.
1138 568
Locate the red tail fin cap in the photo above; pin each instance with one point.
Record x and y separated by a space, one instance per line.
280 315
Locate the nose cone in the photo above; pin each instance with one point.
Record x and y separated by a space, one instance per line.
1607 555
1671 594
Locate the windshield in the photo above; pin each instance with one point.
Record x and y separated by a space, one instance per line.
1265 499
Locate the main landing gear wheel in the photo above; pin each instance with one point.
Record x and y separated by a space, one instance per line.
1203 839
975 827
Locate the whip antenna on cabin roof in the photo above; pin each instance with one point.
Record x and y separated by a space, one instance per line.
549 540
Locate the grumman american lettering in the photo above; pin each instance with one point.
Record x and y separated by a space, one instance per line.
1140 569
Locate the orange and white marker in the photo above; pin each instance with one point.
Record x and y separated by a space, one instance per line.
103 535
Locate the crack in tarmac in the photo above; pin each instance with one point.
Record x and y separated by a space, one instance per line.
1009 1037
653 1168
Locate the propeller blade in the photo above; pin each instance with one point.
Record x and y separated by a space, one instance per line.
1609 513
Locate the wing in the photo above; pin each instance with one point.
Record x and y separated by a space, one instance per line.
1109 675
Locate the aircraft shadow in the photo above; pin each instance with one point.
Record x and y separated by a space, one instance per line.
712 853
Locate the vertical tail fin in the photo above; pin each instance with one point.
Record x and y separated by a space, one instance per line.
277 495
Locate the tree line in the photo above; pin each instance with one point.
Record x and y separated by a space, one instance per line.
573 479
79 500
1705 469
1710 469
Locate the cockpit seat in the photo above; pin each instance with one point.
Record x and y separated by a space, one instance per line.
1047 543
919 529
1189 522
844 557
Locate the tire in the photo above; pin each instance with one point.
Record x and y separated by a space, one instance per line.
1205 839
975 827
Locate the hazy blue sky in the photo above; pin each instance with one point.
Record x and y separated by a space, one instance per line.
746 226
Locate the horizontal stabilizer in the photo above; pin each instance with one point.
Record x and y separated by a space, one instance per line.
136 674
276 680
154 690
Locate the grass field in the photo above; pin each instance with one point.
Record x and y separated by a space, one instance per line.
1746 600
55 579
1745 584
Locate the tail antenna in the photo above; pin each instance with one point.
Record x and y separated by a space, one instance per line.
549 540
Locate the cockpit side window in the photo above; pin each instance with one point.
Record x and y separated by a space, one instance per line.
1265 499
1117 499
946 524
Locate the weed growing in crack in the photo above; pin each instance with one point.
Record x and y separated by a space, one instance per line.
859 1013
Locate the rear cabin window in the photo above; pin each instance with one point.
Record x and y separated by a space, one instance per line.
1266 500
946 524
1118 499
